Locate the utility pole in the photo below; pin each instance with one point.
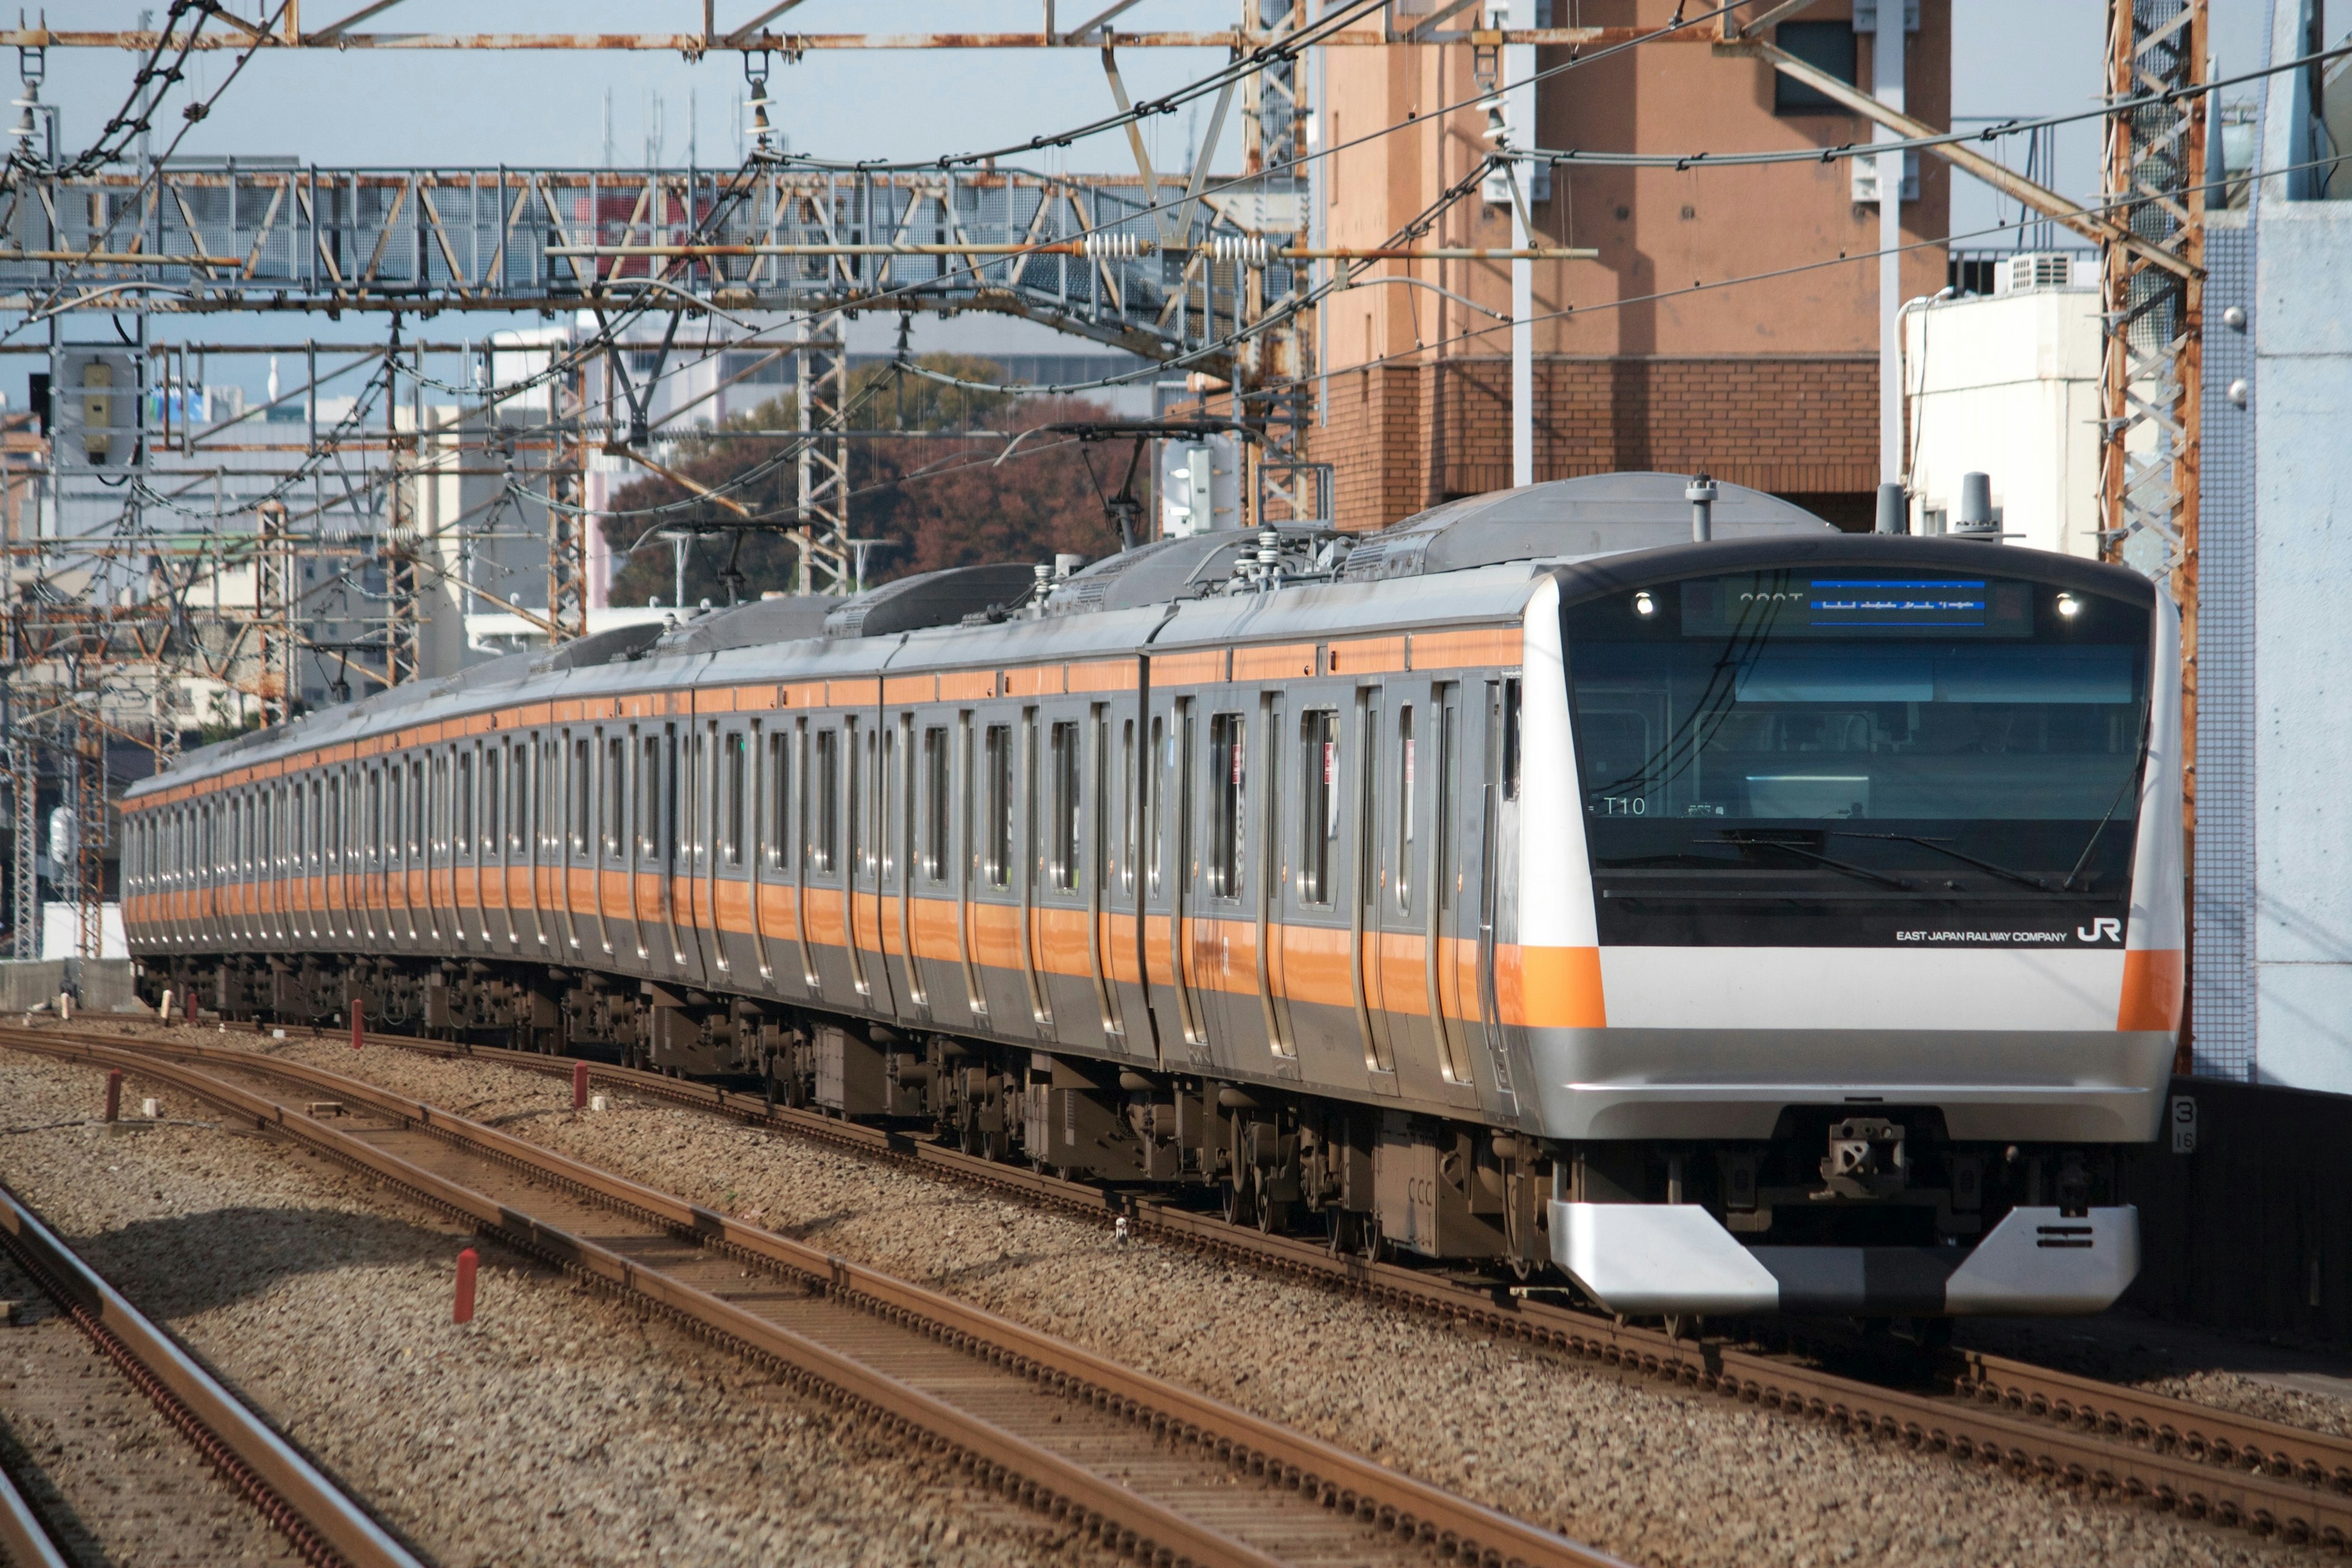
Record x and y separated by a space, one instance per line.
1886 81
1519 68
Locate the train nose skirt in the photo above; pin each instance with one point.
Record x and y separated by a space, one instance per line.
1647 1259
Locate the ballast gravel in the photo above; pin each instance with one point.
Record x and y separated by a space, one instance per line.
2169 1359
1652 1474
559 1428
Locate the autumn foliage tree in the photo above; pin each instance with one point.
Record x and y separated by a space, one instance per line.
936 497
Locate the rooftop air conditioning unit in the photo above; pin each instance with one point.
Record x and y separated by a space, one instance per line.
2040 270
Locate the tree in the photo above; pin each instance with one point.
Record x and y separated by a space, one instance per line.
938 499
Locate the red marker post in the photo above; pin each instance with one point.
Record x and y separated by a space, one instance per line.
114 1094
468 1261
359 1027
579 1086
192 1004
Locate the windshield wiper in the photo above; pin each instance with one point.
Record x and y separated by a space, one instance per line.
1850 869
2022 877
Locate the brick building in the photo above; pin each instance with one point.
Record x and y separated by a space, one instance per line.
1771 382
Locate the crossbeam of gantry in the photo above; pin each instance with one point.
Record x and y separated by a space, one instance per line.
1095 255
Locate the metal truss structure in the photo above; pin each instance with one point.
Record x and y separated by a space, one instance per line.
1143 268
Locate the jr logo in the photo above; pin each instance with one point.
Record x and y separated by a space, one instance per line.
2106 928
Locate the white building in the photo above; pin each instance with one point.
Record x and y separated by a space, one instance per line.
2272 962
2007 384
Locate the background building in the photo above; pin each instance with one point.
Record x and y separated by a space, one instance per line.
2272 961
1638 364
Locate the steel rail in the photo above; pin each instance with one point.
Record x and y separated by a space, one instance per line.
325 1526
23 1537
2206 1462
1342 1481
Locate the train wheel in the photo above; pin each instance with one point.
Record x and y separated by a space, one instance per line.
1272 1216
1239 1203
1370 1242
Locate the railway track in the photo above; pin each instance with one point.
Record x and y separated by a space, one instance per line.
1150 1468
2236 1471
323 1526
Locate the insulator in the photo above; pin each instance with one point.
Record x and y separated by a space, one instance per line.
1249 249
1106 247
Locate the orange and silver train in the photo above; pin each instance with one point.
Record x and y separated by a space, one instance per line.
1787 922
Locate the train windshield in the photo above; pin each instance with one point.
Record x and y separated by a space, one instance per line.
1860 722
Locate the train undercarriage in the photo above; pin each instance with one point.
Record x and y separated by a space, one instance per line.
1770 1226
1371 1183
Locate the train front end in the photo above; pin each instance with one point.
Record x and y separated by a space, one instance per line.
1850 902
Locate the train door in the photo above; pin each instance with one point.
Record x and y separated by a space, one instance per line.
997 908
691 871
648 937
826 883
502 803
723 921
416 873
395 854
526 775
1029 875
1455 850
763 748
1064 954
465 849
1113 909
1499 849
1376 798
963 847
609 840
1270 814
861 861
432 837
1224 966
1179 875
940 978
802 791
1313 969
901 848
368 861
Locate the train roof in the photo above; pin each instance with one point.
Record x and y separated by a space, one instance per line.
1472 559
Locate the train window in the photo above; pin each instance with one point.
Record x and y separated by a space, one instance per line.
518 798
580 814
1440 837
735 772
780 783
996 862
1062 849
418 802
1511 738
1318 797
491 800
863 836
318 833
696 760
1126 784
647 797
935 804
669 794
1156 793
821 853
465 800
1405 808
617 798
1228 757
